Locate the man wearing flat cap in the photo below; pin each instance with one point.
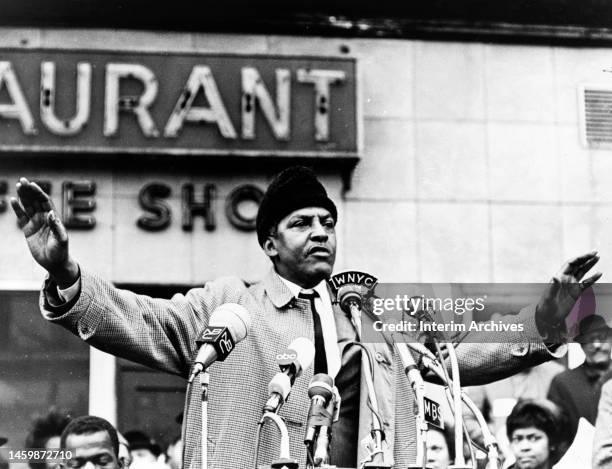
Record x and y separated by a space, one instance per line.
577 391
296 230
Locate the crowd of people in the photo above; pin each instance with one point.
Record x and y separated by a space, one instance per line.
94 439
565 395
538 431
535 415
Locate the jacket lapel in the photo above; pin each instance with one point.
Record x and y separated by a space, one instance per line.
277 291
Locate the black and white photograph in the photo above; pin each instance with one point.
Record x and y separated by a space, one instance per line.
298 235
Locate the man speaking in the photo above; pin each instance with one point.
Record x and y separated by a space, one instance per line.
296 230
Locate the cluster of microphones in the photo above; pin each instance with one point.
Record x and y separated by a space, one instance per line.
228 325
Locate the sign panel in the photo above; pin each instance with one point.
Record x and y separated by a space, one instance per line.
433 413
122 102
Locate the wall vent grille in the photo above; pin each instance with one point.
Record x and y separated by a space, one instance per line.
596 115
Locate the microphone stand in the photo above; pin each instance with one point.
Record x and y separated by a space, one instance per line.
284 460
493 457
458 408
205 381
454 382
376 458
321 454
490 442
418 387
322 438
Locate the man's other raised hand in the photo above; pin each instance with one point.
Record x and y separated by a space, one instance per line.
44 232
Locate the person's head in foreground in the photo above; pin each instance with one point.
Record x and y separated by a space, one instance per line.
296 227
45 432
143 449
92 441
534 431
440 450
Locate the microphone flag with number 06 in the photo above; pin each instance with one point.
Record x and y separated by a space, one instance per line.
220 338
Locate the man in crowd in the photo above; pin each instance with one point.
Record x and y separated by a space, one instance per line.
91 440
296 230
534 430
45 433
602 441
577 391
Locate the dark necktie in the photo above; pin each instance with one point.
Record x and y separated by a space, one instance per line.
320 362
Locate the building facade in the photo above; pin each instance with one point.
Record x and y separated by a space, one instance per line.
450 161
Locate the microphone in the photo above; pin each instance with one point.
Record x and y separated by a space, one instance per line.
350 299
418 387
228 325
298 356
321 452
436 338
320 392
349 296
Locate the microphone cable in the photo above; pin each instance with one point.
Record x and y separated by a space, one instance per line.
375 412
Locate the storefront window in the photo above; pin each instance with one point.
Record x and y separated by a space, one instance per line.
41 365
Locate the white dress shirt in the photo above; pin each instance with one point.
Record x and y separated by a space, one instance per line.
323 306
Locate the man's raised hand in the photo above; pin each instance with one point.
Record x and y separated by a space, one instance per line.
44 232
565 288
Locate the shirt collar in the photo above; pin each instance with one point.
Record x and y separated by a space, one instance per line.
320 288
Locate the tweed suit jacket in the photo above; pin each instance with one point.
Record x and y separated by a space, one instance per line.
161 334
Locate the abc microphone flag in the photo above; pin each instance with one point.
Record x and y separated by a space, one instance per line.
296 358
